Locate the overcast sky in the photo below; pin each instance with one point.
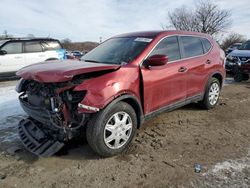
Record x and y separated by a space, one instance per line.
87 20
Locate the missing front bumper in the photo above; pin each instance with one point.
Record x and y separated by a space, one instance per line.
37 141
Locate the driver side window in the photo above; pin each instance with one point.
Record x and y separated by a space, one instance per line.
13 48
168 46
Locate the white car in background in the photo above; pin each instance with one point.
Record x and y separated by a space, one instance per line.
17 53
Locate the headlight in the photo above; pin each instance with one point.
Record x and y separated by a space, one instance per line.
19 86
230 57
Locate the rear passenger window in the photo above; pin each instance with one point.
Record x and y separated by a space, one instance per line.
169 47
13 48
31 47
207 45
51 45
192 46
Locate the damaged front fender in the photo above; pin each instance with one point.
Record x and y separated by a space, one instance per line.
104 89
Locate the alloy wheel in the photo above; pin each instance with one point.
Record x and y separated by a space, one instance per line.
117 130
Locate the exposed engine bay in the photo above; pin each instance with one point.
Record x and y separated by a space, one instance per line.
53 114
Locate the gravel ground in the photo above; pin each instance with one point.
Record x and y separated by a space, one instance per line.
163 153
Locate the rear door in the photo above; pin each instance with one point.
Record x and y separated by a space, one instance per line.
196 62
14 59
33 52
164 85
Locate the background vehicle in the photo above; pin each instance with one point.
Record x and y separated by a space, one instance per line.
77 54
69 55
16 53
122 82
238 62
232 48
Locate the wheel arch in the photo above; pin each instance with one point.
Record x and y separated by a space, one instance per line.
134 103
218 76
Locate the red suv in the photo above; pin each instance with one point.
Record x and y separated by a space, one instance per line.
115 87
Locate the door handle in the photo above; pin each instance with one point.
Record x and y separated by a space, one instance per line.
18 57
208 61
182 69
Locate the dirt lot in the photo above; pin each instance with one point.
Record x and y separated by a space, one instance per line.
163 154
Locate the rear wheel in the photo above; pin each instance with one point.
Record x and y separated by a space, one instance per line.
238 77
212 94
111 130
245 77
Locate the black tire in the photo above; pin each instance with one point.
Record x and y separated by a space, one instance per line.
238 77
205 103
245 77
96 128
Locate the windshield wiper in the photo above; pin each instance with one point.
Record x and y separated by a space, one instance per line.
92 61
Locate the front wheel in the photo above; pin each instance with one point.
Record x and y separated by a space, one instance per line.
110 131
212 94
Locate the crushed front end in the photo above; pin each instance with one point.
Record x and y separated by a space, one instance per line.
53 115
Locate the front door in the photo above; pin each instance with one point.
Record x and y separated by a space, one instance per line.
164 85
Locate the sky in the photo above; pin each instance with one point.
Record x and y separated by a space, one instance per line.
88 20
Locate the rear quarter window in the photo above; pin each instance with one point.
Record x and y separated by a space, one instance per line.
207 45
51 45
192 46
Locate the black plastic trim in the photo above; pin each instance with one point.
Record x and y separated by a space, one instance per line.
174 106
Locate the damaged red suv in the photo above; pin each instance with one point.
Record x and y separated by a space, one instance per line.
115 87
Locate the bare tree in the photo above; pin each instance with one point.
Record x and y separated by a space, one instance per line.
31 35
183 19
232 39
206 17
5 35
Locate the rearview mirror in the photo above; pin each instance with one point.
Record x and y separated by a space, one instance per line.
3 52
157 60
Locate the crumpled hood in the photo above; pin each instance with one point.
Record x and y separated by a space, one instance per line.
240 53
61 71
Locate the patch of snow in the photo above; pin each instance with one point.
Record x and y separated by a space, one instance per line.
10 113
237 165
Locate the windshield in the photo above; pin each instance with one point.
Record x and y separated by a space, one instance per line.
245 46
235 46
117 50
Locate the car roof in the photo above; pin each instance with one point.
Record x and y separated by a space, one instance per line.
28 39
153 34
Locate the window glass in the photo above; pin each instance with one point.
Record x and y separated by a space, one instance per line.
13 48
169 47
32 47
51 45
206 44
192 46
245 46
117 50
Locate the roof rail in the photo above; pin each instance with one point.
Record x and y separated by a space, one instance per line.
27 38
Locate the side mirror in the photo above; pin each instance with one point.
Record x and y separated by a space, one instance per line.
3 52
156 60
